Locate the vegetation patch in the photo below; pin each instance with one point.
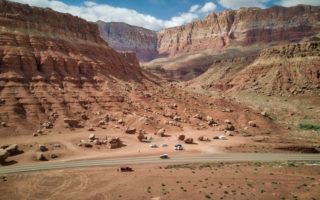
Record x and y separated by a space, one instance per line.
310 127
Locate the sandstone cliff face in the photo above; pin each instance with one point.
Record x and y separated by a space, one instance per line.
290 69
280 70
244 27
55 63
124 37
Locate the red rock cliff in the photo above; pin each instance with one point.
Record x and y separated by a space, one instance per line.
42 42
246 26
124 37
55 64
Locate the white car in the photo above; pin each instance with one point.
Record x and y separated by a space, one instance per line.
153 146
178 147
164 156
222 137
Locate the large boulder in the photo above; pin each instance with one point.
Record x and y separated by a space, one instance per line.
130 130
189 141
141 137
161 132
41 157
181 137
43 147
203 139
72 123
230 127
252 124
3 155
12 149
210 120
115 143
92 137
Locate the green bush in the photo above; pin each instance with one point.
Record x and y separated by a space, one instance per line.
310 127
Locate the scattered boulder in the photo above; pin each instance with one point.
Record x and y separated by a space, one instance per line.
198 116
92 137
230 127
203 139
72 123
84 117
115 143
120 121
13 149
227 121
161 132
43 148
91 129
189 141
130 130
181 137
4 124
35 134
48 125
87 145
177 118
97 142
264 113
41 157
252 124
229 133
3 155
54 156
210 120
141 137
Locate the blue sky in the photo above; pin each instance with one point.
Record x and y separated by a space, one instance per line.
153 14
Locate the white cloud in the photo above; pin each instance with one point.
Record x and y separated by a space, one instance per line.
92 11
235 4
208 7
194 8
288 3
90 3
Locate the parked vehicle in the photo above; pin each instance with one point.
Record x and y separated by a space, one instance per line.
125 169
164 156
153 146
178 147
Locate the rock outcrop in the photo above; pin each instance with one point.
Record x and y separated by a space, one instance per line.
53 74
244 27
124 37
230 40
53 62
288 69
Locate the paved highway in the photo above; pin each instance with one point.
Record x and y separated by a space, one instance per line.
234 157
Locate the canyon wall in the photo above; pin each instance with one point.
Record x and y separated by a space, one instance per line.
124 37
244 27
54 64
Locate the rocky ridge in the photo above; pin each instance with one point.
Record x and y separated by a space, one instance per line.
54 78
124 37
244 27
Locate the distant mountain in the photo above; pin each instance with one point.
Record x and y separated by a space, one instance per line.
124 37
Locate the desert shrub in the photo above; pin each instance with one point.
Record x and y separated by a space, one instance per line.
310 127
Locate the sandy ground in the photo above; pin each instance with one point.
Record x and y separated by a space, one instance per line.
193 181
69 149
